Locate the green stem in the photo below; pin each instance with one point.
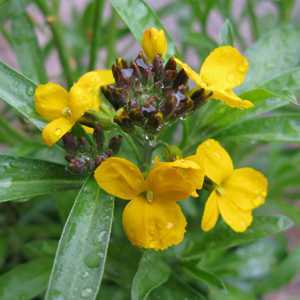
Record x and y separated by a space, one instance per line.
133 147
253 21
111 47
97 20
57 38
185 134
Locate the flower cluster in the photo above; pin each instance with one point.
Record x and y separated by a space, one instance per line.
153 219
148 93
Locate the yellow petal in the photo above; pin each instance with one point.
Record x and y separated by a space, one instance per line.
191 73
120 177
55 130
239 220
154 42
216 161
85 93
246 187
231 99
51 100
87 129
173 181
157 225
211 213
224 68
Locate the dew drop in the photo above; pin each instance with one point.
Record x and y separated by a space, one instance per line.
30 91
58 131
92 260
231 77
101 236
86 292
85 274
217 155
243 68
169 225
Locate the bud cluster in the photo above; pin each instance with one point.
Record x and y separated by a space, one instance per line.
149 95
84 154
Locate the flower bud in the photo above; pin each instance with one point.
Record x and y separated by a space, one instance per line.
115 144
154 42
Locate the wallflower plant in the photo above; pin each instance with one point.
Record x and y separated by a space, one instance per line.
146 94
144 142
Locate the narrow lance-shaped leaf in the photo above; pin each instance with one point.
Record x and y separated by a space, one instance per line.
25 281
222 237
276 127
18 91
25 43
22 178
152 272
138 16
80 258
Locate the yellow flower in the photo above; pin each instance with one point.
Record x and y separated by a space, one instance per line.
152 219
154 42
64 108
224 69
237 191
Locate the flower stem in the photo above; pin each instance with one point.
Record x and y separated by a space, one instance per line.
97 19
111 47
57 38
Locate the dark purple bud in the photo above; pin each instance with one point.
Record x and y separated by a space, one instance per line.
70 142
171 64
181 79
99 137
115 144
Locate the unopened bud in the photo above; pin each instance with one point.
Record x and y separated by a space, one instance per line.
99 137
154 42
115 144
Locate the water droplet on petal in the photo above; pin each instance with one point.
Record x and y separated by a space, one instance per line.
242 68
231 77
169 225
58 131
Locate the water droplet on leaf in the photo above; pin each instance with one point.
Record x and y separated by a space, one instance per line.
86 292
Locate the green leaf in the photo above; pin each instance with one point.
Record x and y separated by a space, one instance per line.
25 43
275 53
227 34
281 273
80 258
202 275
25 281
22 178
222 237
138 16
175 289
275 127
152 272
9 135
18 91
40 248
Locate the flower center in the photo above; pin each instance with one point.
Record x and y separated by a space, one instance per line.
149 196
220 190
67 112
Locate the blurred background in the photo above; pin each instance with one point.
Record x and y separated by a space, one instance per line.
196 26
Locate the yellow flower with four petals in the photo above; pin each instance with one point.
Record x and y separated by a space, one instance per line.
64 108
224 69
152 219
237 191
